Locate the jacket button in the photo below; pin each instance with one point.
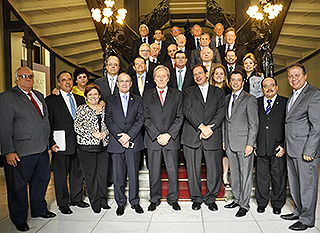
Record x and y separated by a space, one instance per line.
267 127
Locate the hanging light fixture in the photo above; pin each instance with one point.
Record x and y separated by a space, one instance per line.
269 10
106 14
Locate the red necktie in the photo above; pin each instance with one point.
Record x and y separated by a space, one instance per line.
161 98
174 66
35 103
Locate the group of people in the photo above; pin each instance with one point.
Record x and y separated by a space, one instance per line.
212 111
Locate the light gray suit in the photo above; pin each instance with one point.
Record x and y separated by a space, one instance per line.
302 136
239 130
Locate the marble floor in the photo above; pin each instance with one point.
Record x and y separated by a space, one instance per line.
164 219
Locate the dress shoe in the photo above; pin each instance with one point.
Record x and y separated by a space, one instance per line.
47 214
137 208
299 226
152 206
65 210
175 206
22 226
213 206
261 209
80 204
105 206
241 212
120 210
231 205
196 206
276 211
289 217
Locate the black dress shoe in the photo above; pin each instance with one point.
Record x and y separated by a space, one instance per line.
175 206
196 206
22 226
120 210
152 206
241 212
299 226
289 217
105 206
213 206
65 210
261 209
231 205
276 211
80 204
137 208
47 214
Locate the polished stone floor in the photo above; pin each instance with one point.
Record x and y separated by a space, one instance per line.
164 219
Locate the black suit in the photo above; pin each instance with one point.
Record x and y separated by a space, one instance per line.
196 111
149 83
237 67
132 72
103 83
136 46
187 82
191 43
125 158
159 120
66 162
270 136
168 64
195 57
240 50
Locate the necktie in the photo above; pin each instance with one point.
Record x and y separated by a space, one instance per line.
234 101
180 80
144 40
228 47
140 85
111 85
35 103
73 106
161 98
125 104
230 69
174 65
219 42
268 109
198 43
207 66
294 96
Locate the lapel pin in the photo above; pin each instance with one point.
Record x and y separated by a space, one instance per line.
131 98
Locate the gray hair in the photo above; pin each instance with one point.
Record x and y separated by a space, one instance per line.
161 67
16 77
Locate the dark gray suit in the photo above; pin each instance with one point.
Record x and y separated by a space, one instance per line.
302 134
26 133
195 57
103 83
241 129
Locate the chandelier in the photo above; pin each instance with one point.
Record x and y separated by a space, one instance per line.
106 14
270 10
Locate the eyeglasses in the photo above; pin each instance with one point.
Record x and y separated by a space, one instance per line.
113 64
145 51
25 76
266 86
175 30
124 81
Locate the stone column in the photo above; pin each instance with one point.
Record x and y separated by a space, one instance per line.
29 38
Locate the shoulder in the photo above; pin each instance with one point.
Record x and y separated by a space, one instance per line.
100 80
79 97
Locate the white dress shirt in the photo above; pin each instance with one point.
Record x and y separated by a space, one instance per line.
231 100
67 100
204 91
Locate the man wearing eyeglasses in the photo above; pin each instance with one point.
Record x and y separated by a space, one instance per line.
175 31
271 158
24 139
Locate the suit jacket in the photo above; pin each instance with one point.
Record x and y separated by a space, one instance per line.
187 82
302 124
191 44
160 119
132 72
170 41
196 59
103 83
23 131
238 67
136 45
240 50
118 123
214 44
163 52
271 126
241 128
168 64
196 111
149 83
61 119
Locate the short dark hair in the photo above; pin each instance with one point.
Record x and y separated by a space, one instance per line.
80 70
179 51
275 81
91 87
238 72
304 71
200 65
62 72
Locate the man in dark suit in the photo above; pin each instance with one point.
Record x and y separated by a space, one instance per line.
241 50
203 108
271 159
158 35
144 32
240 133
65 162
194 42
302 133
206 56
231 63
108 85
181 77
171 50
163 120
141 80
175 31
124 119
154 55
181 45
24 138
218 40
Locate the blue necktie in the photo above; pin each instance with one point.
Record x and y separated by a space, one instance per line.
268 109
125 105
73 106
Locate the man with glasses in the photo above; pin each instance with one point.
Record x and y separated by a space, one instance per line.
175 31
24 140
145 38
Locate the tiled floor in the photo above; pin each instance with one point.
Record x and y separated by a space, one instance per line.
164 219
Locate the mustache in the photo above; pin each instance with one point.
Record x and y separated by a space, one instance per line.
269 91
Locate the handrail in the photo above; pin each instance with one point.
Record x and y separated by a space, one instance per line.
216 14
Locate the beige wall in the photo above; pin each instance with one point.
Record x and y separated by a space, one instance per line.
2 78
146 6
16 52
60 66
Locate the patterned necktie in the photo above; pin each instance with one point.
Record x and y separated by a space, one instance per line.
180 80
161 98
268 109
35 103
198 43
72 105
140 85
234 101
125 105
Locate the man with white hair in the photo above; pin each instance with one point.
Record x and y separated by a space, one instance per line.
181 43
144 32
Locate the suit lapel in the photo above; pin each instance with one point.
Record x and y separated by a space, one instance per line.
63 105
237 103
168 97
198 95
210 97
299 98
24 97
156 97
